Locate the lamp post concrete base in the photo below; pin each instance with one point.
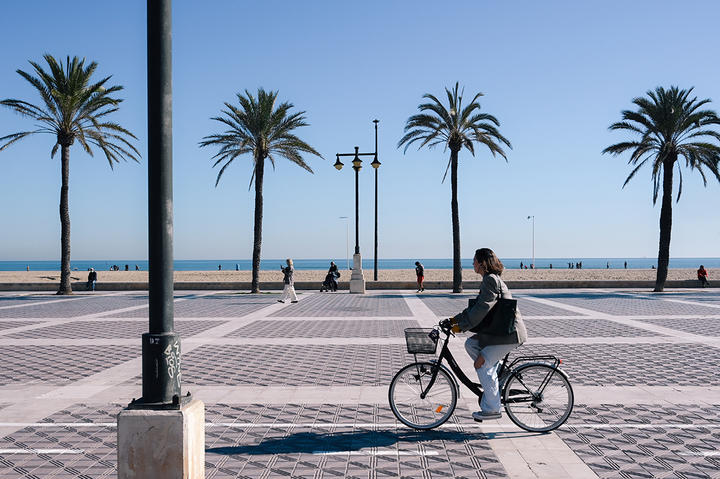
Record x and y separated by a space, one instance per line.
357 280
162 443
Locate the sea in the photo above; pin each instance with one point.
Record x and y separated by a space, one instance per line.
345 263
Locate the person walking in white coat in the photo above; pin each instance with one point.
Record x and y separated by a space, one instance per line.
289 289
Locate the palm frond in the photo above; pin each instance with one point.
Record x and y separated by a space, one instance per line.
75 107
13 137
261 128
454 125
672 124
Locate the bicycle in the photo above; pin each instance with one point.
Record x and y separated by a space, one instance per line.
535 392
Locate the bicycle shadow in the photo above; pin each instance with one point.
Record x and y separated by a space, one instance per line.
348 441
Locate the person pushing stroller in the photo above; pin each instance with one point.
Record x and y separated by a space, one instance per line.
330 283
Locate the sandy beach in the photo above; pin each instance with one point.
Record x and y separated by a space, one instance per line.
383 275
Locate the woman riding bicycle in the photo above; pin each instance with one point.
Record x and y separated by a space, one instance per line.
485 349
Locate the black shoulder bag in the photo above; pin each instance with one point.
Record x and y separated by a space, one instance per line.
500 320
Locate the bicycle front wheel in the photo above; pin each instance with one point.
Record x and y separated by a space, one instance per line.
538 397
428 412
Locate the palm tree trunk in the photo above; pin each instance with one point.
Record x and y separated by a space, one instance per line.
65 286
665 225
457 266
257 238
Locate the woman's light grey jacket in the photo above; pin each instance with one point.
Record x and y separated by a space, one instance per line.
490 290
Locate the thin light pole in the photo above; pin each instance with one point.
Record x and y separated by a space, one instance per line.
375 273
347 240
533 240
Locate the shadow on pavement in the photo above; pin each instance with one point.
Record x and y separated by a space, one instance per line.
313 443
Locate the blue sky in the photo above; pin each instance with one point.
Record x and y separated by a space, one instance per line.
556 75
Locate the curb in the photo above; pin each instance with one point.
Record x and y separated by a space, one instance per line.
344 285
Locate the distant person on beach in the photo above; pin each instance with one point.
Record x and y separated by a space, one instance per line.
420 273
484 348
237 267
127 267
521 265
607 266
219 267
625 264
550 265
27 268
92 279
334 276
703 276
289 288
137 268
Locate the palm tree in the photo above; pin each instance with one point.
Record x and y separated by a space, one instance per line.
454 127
73 109
670 125
259 128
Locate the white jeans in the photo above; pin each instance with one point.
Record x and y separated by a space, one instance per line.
288 291
487 373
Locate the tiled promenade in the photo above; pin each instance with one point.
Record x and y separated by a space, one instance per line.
300 390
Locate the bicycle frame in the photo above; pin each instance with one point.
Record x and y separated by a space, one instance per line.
474 387
445 354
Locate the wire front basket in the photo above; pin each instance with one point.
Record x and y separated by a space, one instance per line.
420 341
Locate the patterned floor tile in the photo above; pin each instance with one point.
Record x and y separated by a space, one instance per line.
622 305
236 449
59 364
91 452
110 329
701 326
651 451
633 364
293 365
5 325
446 304
213 306
581 327
60 307
364 328
347 305
340 451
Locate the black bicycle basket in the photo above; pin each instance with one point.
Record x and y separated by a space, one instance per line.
420 340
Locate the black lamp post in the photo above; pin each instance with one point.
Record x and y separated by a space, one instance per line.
160 346
357 166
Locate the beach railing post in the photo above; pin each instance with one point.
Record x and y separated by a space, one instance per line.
162 419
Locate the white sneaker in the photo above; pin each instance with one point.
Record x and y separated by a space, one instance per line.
480 416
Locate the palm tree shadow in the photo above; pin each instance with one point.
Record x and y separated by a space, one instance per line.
313 442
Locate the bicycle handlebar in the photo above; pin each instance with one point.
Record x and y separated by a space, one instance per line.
446 326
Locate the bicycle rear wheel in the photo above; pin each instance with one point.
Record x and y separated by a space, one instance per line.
538 397
422 413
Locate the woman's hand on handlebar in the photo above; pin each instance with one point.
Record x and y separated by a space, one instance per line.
450 324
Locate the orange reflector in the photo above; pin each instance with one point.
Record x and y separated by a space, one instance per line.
559 361
439 409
